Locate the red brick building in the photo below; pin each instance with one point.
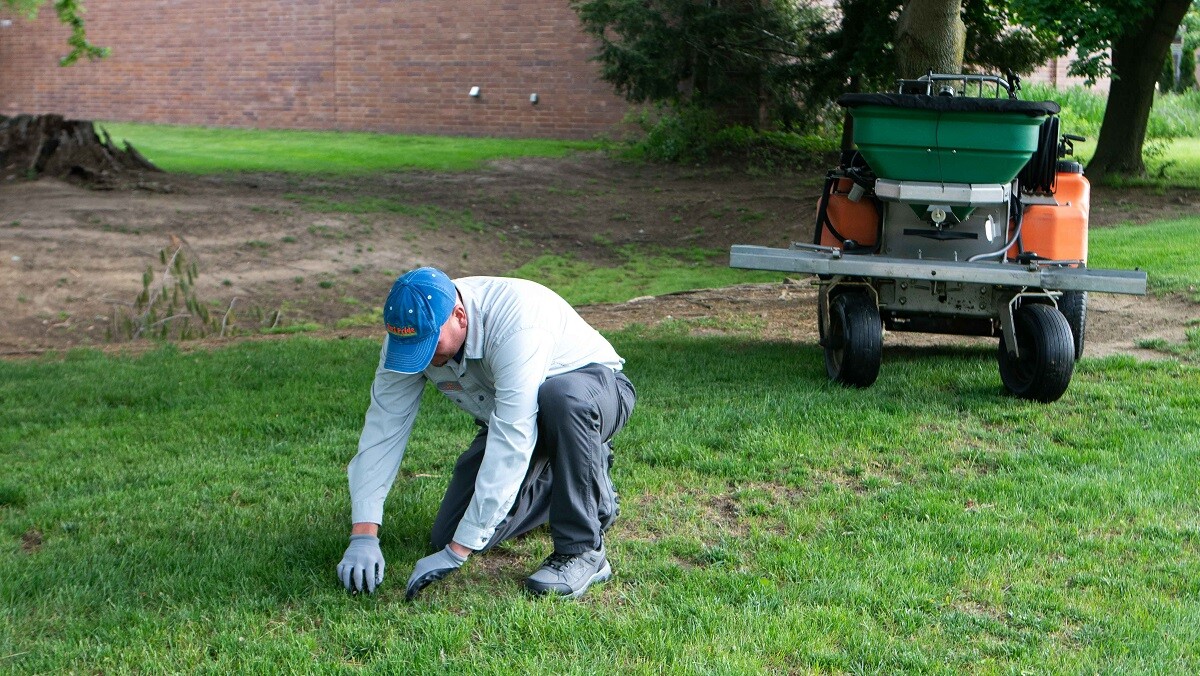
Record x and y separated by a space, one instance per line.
405 66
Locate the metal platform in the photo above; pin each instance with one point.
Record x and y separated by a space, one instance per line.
1047 275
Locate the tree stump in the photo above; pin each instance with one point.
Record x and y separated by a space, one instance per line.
32 146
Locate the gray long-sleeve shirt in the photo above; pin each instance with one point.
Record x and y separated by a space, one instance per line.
518 334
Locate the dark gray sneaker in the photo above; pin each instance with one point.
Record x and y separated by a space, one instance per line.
569 575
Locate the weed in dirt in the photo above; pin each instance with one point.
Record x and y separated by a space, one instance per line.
326 232
169 308
273 211
121 229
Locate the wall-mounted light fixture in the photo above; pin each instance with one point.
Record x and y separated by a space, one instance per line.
474 92
533 99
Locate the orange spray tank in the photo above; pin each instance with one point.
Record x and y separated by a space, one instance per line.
1059 232
853 220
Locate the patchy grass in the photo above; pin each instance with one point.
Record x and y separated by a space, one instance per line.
1188 350
183 512
644 272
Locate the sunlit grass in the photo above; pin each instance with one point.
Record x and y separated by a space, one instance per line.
1171 116
1172 147
205 150
1169 251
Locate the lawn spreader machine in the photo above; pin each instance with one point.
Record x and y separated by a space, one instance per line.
959 212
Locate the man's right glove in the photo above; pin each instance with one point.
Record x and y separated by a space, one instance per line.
362 565
431 569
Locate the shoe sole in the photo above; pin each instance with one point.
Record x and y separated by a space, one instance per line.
602 575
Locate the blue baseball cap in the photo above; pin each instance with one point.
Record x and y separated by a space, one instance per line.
417 306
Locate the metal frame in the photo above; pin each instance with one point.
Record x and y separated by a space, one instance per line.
928 81
1041 274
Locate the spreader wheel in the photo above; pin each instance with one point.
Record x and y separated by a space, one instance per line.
853 340
1047 354
1073 306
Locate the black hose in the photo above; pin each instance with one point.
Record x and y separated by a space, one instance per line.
823 212
1039 174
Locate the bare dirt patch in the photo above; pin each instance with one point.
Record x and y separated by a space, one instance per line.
323 249
31 541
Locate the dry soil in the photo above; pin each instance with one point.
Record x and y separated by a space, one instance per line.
72 258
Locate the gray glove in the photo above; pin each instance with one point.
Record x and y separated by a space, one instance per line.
431 569
362 565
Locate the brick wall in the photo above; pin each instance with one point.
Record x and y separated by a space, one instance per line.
1054 73
375 65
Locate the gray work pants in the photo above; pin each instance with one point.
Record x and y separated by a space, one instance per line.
568 481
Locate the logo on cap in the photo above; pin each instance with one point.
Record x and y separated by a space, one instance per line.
402 331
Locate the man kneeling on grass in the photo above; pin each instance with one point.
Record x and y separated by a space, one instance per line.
548 394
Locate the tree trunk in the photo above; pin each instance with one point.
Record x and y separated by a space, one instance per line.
48 145
930 35
1137 59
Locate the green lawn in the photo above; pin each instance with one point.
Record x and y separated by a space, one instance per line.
1168 250
1174 163
202 150
1179 162
183 512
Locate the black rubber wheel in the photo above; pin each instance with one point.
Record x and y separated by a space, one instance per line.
822 310
1047 360
1073 306
853 340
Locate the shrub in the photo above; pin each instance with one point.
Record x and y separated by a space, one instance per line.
694 136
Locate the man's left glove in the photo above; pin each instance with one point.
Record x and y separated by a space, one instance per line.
431 569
